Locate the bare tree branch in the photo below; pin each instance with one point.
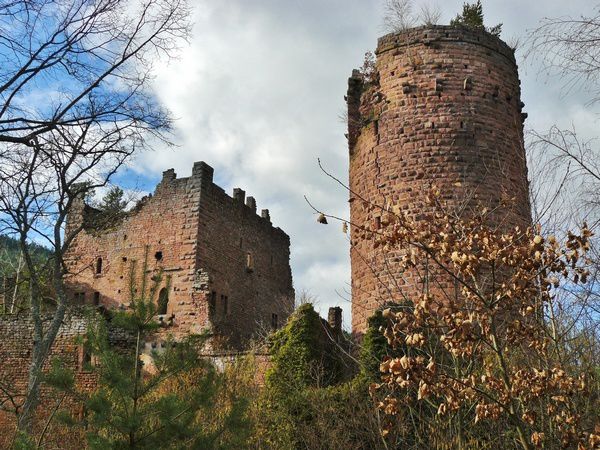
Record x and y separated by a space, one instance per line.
92 63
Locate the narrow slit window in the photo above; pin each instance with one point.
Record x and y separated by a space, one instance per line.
225 305
98 266
274 321
212 303
249 262
122 266
377 223
86 360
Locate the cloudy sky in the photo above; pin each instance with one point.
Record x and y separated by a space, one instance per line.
258 95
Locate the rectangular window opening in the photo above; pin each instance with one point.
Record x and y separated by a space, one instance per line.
225 303
212 302
274 321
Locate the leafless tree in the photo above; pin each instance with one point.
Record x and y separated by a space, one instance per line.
75 104
565 177
398 15
514 42
564 168
430 14
565 181
568 47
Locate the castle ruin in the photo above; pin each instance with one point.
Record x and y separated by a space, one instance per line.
441 107
220 266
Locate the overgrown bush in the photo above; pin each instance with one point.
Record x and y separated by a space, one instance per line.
480 345
305 354
314 395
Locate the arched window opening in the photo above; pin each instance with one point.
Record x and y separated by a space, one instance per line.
163 301
98 265
86 360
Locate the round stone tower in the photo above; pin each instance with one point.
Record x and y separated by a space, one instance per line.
441 107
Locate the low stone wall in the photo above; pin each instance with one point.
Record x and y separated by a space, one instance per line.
16 342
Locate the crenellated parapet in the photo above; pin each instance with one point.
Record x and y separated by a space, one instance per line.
202 177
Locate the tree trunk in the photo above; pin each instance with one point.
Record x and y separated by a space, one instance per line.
40 352
16 286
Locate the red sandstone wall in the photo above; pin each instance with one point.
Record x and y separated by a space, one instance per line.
166 222
16 337
444 109
260 362
229 231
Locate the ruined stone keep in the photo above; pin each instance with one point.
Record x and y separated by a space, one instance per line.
220 266
442 107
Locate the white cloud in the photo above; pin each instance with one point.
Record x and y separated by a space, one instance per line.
258 93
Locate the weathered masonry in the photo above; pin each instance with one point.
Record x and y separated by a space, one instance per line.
442 108
213 262
16 337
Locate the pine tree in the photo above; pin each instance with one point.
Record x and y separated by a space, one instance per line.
149 401
112 206
472 17
113 200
